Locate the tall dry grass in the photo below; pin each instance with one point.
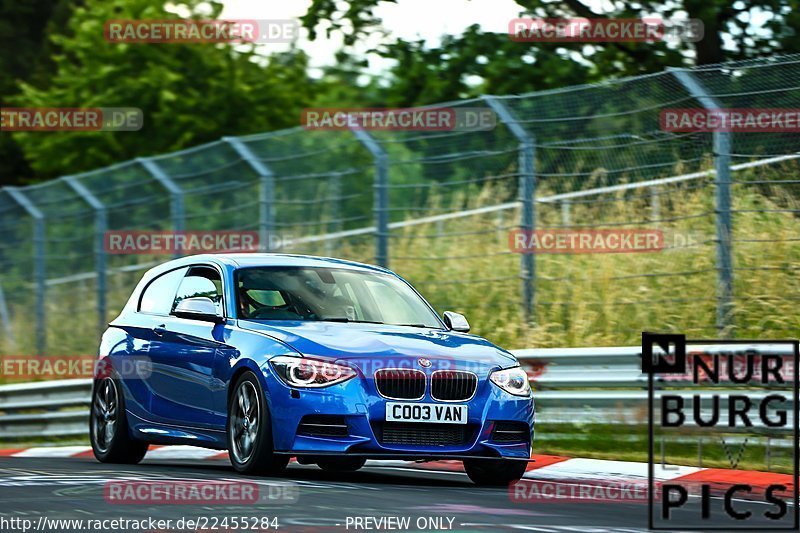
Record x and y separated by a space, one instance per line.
581 300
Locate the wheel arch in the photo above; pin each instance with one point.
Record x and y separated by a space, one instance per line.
243 366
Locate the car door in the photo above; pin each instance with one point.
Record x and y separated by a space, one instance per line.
184 380
144 330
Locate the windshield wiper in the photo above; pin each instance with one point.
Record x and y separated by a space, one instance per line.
344 319
415 325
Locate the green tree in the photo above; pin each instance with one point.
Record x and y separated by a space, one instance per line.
479 61
189 93
449 72
24 27
343 84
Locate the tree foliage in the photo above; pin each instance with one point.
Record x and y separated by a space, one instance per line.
25 49
478 61
189 93
54 55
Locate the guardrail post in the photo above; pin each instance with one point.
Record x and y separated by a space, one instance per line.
5 317
38 264
722 182
100 228
527 198
266 192
768 451
700 452
176 194
380 186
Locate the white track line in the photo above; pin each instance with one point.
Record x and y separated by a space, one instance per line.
60 451
596 470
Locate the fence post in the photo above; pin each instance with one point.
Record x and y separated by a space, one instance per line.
266 192
100 227
655 203
39 259
722 182
380 206
176 194
527 199
335 212
5 317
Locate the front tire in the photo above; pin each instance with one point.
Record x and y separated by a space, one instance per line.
494 472
341 464
108 426
250 444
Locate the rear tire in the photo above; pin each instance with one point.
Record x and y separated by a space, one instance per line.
250 444
108 426
494 472
341 464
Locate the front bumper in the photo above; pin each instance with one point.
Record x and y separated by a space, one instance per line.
357 405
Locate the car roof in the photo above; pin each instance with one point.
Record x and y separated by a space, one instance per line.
249 260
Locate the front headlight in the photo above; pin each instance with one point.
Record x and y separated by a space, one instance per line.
512 380
303 372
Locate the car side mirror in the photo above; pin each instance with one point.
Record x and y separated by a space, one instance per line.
456 321
198 308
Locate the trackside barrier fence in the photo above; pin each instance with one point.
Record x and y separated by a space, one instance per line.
438 206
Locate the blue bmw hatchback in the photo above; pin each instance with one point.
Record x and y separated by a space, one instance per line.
329 361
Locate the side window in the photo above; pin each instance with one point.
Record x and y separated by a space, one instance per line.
160 293
200 282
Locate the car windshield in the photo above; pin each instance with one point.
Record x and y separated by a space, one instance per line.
330 294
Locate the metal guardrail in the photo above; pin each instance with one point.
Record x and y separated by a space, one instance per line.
572 386
606 385
45 409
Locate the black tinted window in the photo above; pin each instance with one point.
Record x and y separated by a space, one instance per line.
160 293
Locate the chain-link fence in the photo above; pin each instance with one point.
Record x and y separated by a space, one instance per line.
438 206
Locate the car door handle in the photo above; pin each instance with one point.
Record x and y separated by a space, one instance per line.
160 330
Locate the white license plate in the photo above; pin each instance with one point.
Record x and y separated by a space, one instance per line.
435 413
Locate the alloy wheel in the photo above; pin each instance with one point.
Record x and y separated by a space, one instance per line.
245 413
104 414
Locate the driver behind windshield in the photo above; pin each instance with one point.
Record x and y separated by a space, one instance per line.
330 294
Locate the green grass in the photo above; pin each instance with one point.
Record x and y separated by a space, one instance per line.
631 444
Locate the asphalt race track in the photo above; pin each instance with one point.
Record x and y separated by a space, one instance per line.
73 488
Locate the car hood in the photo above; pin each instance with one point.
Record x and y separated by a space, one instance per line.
394 346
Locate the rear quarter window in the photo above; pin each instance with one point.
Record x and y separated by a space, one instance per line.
159 294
